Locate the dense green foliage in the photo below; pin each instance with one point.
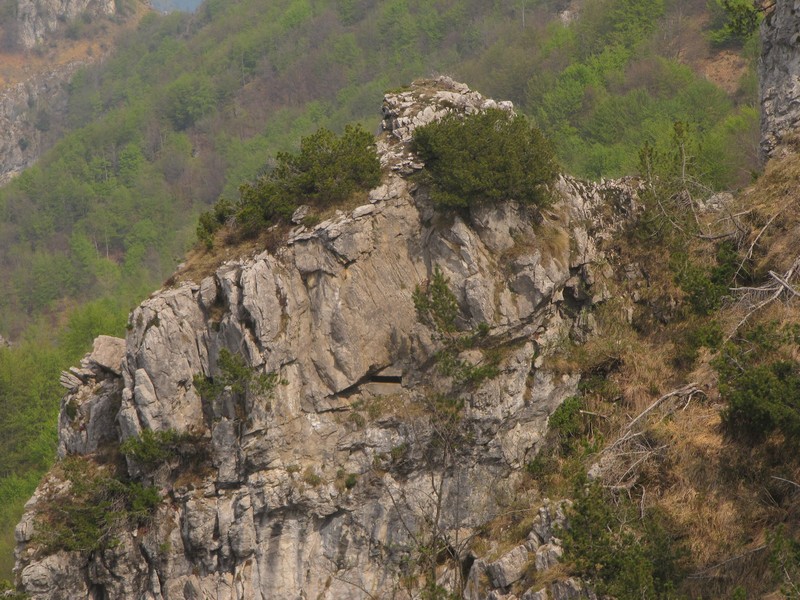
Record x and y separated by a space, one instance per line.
739 20
487 157
96 506
153 449
760 381
706 288
237 376
437 308
327 170
624 556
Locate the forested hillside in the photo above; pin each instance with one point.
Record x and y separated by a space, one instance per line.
190 106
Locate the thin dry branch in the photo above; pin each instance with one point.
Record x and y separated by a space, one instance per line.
749 254
703 574
621 461
687 390
771 291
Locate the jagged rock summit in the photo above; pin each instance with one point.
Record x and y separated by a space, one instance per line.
364 453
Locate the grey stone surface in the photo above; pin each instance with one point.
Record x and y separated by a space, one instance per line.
509 568
779 75
269 515
37 18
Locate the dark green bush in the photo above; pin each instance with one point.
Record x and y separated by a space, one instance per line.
762 399
236 374
759 378
155 448
487 157
622 555
437 308
566 423
734 21
96 506
706 288
327 170
211 221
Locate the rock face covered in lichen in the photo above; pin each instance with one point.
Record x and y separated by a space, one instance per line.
779 74
37 18
23 108
329 485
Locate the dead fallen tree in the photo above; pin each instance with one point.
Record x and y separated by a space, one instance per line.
621 461
753 299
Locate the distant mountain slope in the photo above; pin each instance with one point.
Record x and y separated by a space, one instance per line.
172 5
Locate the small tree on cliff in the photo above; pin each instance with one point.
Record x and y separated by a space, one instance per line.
741 19
490 156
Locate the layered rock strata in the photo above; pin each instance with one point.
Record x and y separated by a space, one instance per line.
328 486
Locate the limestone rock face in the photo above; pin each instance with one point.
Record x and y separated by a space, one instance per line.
327 486
29 108
779 74
22 138
37 18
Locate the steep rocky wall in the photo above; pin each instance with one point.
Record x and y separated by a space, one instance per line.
37 18
779 74
328 488
26 111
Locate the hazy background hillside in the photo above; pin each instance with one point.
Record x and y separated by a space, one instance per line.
190 105
170 5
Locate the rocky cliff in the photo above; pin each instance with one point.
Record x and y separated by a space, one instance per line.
779 74
34 103
363 454
28 111
37 18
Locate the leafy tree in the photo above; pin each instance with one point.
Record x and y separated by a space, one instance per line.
760 380
237 376
741 19
189 98
437 308
490 156
155 448
624 557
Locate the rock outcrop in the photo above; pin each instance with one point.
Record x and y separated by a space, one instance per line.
27 111
331 485
37 18
779 74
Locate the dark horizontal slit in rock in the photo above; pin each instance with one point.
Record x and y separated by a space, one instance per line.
386 379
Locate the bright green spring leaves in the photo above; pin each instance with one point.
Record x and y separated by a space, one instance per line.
490 156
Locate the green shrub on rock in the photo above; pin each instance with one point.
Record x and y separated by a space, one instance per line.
486 157
97 505
327 170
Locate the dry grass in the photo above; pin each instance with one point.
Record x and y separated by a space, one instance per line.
720 495
202 262
774 216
